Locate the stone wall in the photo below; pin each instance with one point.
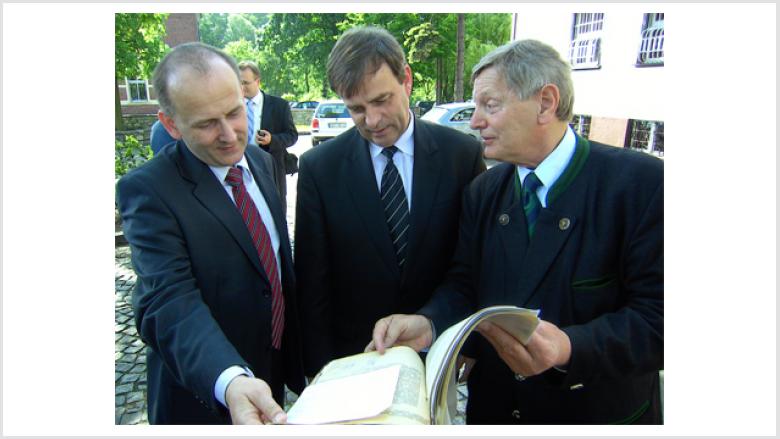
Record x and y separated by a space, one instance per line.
137 125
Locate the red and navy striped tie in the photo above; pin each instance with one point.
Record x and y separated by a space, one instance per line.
262 242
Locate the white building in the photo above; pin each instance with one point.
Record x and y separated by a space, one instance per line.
617 58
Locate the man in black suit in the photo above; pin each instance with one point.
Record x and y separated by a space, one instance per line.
568 226
374 236
272 127
214 301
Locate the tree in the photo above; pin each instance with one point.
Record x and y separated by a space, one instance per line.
213 29
460 54
242 50
138 47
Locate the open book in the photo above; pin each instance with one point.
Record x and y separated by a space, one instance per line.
395 388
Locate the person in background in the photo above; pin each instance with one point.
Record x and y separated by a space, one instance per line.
159 137
271 124
565 225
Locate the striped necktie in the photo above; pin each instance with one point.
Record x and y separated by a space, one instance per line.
250 117
531 204
395 205
262 242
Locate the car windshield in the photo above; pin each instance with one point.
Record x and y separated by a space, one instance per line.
332 111
434 114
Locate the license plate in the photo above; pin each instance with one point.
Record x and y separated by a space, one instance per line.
337 125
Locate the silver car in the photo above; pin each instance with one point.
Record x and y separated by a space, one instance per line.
455 115
330 119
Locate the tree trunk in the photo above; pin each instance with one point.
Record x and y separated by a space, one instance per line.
118 124
459 64
438 81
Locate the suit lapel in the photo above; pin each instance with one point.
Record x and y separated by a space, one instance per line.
361 184
212 195
511 225
425 184
266 118
554 226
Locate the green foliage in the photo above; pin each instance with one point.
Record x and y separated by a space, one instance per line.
243 50
130 154
138 44
292 49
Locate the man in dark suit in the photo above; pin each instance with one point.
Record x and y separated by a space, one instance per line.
568 226
214 301
374 236
271 126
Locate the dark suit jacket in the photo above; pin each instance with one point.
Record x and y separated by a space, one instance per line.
277 119
202 301
344 259
594 268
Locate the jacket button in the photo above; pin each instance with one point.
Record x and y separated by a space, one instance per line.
503 219
519 377
576 386
564 223
516 414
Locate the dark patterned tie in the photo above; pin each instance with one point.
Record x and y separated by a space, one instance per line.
531 204
396 207
262 242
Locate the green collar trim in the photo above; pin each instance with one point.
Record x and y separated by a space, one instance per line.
581 152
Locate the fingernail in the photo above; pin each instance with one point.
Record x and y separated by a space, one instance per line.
279 418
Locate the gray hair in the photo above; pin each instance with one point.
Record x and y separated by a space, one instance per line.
529 65
361 51
194 56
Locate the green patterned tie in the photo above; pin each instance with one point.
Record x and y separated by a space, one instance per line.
531 204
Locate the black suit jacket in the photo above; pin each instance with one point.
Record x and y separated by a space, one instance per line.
344 259
594 267
202 301
277 119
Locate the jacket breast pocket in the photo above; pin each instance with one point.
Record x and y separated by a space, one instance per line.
594 296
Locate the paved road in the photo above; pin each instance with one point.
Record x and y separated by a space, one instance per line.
129 350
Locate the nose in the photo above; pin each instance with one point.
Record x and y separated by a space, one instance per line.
477 122
372 118
227 132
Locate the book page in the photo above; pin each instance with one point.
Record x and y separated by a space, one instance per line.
345 399
410 400
440 363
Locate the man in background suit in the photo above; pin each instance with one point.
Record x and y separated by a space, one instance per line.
219 316
372 238
568 226
272 126
159 137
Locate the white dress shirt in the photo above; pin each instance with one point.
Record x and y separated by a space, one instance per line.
552 166
220 387
403 160
257 106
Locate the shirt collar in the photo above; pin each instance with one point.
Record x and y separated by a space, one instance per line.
221 171
405 143
258 97
555 163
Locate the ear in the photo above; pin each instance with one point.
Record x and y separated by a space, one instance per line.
549 97
408 81
169 125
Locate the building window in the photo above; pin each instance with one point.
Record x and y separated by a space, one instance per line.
585 48
581 125
137 90
651 48
647 136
